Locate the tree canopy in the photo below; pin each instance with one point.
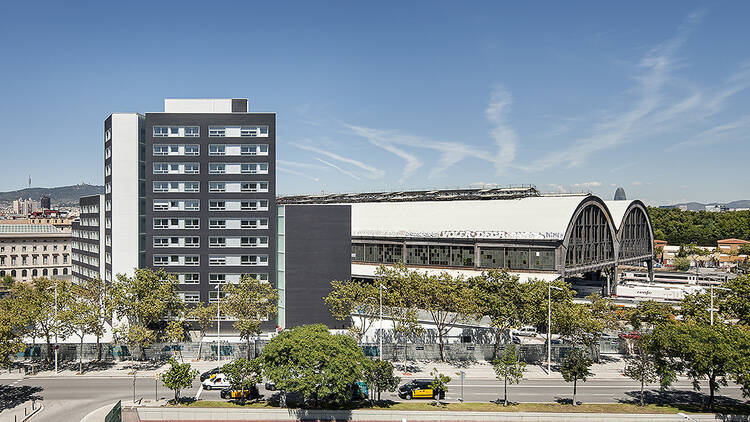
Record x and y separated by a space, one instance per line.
698 227
323 367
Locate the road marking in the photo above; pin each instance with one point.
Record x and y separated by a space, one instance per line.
198 394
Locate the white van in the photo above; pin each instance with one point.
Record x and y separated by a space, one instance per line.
217 382
527 331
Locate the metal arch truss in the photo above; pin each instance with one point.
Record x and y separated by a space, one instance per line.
590 243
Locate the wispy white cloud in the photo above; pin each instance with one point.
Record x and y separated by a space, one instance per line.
297 173
346 172
737 129
586 185
502 133
309 166
557 188
386 139
370 171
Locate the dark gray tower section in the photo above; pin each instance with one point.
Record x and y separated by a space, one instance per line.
620 194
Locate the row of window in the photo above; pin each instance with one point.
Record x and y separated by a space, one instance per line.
34 272
218 150
213 242
213 260
223 205
33 248
84 246
213 131
90 209
213 168
12 260
213 187
516 258
213 223
217 278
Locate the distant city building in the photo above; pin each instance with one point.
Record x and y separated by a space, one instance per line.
46 202
716 208
620 194
34 250
24 206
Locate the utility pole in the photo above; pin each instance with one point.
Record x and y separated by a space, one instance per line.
380 337
218 323
711 288
549 325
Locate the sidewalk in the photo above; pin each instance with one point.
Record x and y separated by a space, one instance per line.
612 369
112 369
21 412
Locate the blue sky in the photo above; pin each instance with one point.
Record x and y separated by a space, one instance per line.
568 96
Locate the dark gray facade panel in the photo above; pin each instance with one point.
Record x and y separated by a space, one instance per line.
204 120
239 105
318 250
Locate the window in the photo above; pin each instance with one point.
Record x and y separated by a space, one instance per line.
217 278
192 150
217 150
254 205
256 242
261 149
161 150
192 186
260 223
217 187
254 187
253 259
217 242
217 206
161 260
217 224
253 130
161 131
161 168
191 278
192 223
192 242
161 223
192 205
192 168
161 186
161 242
217 260
215 168
192 131
190 297
254 168
192 260
217 132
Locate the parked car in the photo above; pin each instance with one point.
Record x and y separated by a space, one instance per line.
270 386
525 331
419 388
249 394
218 381
206 375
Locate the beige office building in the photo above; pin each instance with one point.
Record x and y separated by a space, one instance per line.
34 250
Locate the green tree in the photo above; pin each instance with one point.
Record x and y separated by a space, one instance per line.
641 367
744 249
176 333
146 299
205 317
702 352
509 368
249 302
243 374
537 299
501 297
439 384
734 301
82 314
179 376
447 300
312 361
356 298
379 377
400 296
681 264
648 314
576 366
13 320
696 307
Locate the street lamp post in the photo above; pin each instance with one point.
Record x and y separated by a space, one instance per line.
380 337
549 325
218 323
57 323
711 288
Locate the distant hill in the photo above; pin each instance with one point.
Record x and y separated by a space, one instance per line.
697 206
60 196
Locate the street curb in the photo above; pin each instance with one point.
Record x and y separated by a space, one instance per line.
37 410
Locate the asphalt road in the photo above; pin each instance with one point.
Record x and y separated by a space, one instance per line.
70 399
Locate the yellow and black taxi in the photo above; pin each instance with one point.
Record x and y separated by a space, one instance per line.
418 389
247 394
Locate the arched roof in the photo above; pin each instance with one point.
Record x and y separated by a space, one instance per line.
618 209
544 217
